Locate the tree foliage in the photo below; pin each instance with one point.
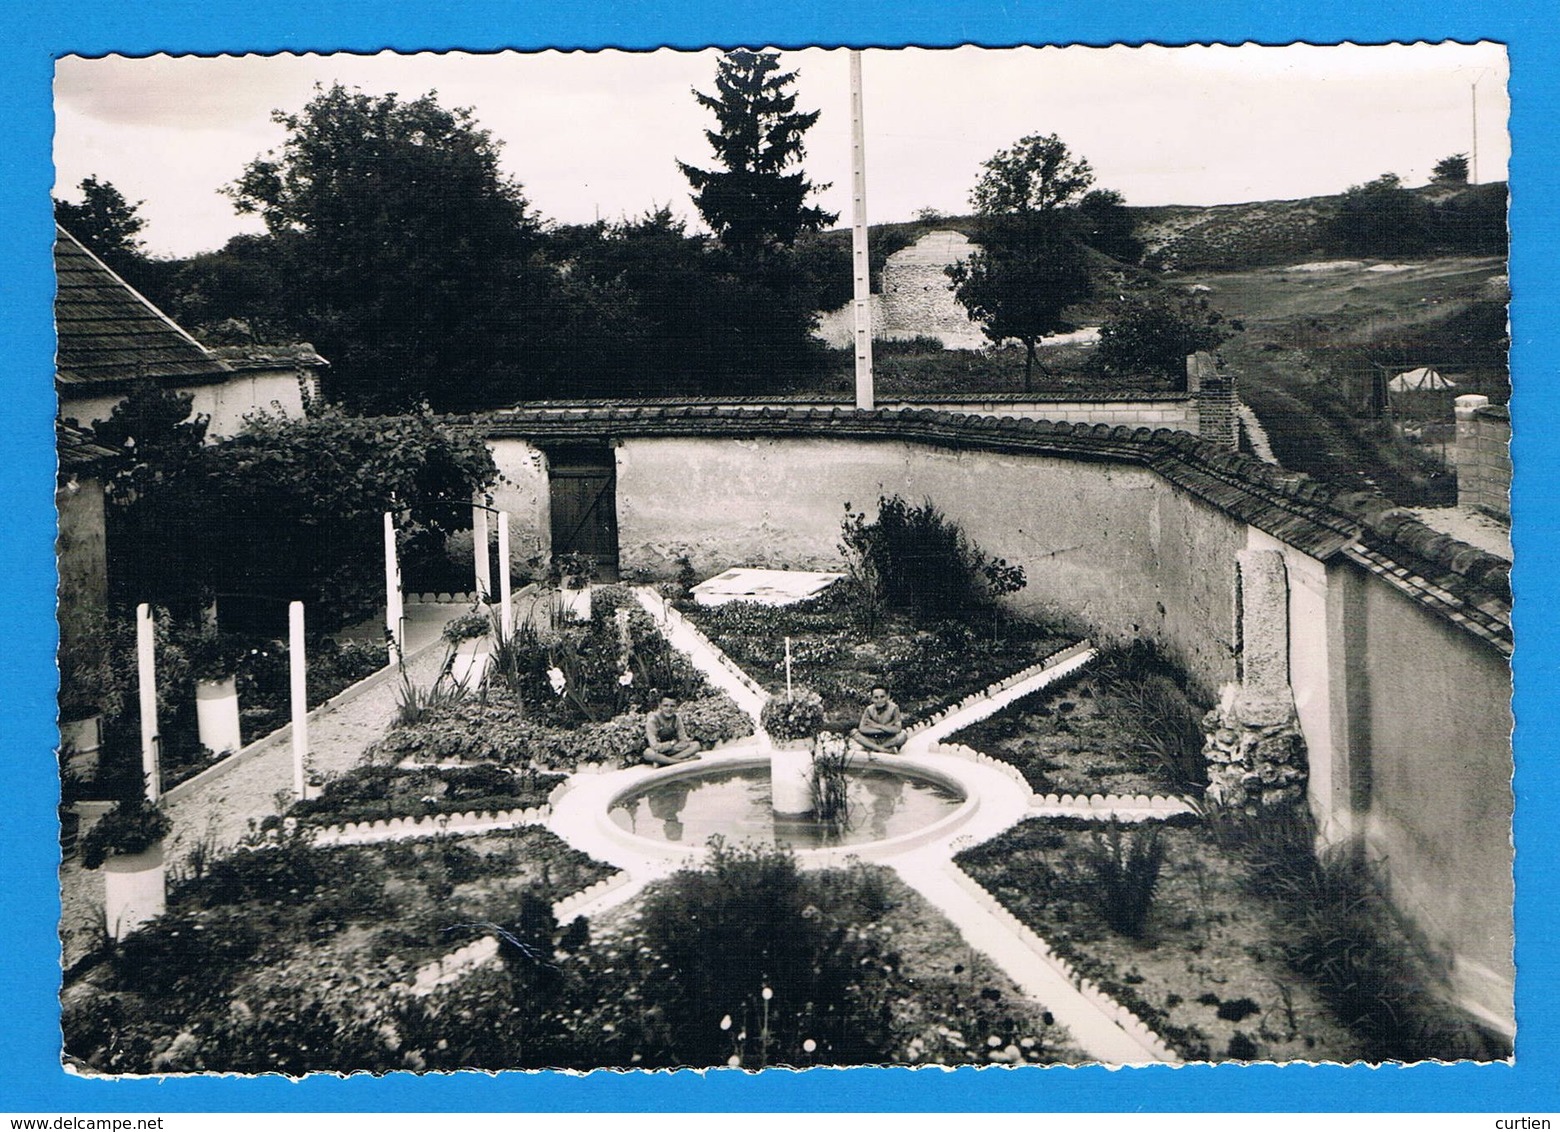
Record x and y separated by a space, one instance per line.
757 202
1031 265
1039 174
1451 170
1105 224
104 221
289 510
1153 333
1383 218
1027 273
405 248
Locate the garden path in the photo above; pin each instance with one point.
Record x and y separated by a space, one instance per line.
1091 1025
216 807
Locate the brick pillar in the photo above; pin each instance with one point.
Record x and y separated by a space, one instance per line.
1214 391
1483 455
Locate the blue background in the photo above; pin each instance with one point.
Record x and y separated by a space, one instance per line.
32 36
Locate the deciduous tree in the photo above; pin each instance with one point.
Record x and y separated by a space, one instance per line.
1152 334
406 246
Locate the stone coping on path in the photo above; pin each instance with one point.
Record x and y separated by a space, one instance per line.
430 825
1110 807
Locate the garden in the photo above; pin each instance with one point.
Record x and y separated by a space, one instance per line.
341 936
1228 937
917 612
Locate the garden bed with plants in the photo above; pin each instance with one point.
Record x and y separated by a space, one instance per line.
1231 942
748 961
1127 724
918 612
374 793
289 956
561 694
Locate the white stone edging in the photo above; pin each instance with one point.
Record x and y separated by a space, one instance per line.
567 908
1129 1022
993 698
1110 807
431 825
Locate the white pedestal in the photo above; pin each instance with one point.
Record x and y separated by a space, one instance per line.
575 602
83 737
790 780
468 668
134 890
216 715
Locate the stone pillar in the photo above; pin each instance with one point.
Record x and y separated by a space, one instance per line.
1256 753
1483 455
298 687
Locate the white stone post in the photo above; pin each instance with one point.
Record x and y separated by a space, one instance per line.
146 673
479 552
298 666
393 609
506 610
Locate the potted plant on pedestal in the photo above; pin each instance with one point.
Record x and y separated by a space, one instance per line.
792 723
213 657
467 639
128 844
91 687
575 572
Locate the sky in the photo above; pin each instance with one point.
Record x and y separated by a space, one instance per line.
598 135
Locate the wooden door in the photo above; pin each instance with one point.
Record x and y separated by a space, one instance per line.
584 506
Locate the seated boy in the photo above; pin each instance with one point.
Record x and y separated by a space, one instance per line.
882 729
666 739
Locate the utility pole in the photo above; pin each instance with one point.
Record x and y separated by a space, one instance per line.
1473 171
858 240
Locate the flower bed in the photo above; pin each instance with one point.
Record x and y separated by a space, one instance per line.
502 728
293 957
1222 970
372 793
1107 729
925 668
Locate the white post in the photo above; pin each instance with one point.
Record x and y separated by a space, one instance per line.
858 240
298 665
479 552
505 584
788 668
392 592
146 673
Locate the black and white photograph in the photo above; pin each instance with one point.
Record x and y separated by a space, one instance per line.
784 557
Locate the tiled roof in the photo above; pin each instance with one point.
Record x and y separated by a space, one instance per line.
300 354
78 451
110 337
1462 583
848 400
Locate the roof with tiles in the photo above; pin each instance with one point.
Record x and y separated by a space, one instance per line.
1466 585
298 355
78 451
110 337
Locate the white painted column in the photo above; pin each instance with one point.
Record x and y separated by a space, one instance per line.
858 241
479 552
393 609
298 670
506 610
146 673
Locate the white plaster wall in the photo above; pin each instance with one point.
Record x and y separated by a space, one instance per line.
226 403
1110 545
522 491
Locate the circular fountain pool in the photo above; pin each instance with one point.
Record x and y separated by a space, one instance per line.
735 803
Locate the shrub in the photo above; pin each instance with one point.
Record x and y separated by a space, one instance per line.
467 627
715 719
797 716
1125 868
751 938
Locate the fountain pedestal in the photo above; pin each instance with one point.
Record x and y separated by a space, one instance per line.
790 776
